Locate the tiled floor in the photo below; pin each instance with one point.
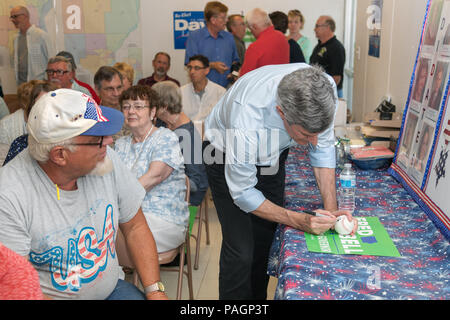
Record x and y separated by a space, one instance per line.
205 279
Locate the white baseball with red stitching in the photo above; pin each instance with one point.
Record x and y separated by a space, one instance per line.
343 225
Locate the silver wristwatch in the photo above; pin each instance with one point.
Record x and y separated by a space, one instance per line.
157 286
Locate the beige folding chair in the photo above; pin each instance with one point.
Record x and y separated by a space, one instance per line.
202 212
202 216
164 258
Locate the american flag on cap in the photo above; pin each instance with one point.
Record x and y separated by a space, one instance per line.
93 111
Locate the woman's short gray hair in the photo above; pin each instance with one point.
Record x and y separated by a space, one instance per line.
41 151
307 98
169 95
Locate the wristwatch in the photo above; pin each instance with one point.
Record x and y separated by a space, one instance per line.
157 286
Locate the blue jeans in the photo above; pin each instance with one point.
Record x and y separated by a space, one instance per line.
126 291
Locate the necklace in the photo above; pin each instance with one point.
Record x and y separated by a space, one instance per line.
141 146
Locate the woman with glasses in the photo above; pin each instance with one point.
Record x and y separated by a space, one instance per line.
154 156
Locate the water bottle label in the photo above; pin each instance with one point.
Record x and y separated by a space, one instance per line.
348 183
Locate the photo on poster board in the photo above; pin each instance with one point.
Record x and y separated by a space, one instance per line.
432 28
423 146
420 82
407 140
437 86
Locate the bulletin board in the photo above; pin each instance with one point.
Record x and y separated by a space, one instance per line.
422 162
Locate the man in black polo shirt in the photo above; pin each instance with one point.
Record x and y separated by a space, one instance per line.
329 52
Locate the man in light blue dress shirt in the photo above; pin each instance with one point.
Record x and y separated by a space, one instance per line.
215 43
248 135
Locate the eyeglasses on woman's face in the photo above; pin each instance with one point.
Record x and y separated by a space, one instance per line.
136 107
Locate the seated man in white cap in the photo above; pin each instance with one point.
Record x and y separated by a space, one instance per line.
63 200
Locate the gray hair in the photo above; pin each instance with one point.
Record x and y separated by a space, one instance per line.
41 151
169 96
258 17
307 98
61 59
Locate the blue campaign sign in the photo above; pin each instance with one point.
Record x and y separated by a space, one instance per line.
183 23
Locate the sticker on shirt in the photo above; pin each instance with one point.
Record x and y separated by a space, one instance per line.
86 256
322 51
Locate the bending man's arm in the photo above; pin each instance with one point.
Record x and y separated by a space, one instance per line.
326 182
298 220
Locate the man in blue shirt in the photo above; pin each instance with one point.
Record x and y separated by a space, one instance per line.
214 43
248 135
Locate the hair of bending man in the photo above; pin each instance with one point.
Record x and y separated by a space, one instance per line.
307 98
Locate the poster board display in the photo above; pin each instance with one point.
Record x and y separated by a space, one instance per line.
421 162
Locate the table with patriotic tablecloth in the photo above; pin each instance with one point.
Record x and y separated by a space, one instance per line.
422 272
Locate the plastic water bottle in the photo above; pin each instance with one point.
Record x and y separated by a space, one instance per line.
347 188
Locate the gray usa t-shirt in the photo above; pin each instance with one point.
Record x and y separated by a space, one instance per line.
69 241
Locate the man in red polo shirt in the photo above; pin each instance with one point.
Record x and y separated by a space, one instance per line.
270 47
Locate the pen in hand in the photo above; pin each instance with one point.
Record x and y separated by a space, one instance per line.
313 213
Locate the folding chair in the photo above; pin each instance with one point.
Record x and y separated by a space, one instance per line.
202 213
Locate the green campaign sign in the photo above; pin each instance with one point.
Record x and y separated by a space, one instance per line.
371 239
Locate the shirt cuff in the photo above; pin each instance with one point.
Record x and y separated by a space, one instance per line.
323 157
249 200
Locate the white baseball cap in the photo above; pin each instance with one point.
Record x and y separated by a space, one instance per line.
64 113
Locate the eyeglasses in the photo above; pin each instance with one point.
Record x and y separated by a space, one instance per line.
127 107
196 68
99 144
321 25
15 16
113 90
58 72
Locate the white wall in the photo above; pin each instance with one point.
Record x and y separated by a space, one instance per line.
157 23
390 74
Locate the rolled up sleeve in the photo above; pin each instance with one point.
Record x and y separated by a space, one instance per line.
241 181
323 155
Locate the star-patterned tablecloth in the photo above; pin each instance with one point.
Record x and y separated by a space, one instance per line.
422 272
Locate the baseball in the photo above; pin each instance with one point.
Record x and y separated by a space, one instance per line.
343 225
